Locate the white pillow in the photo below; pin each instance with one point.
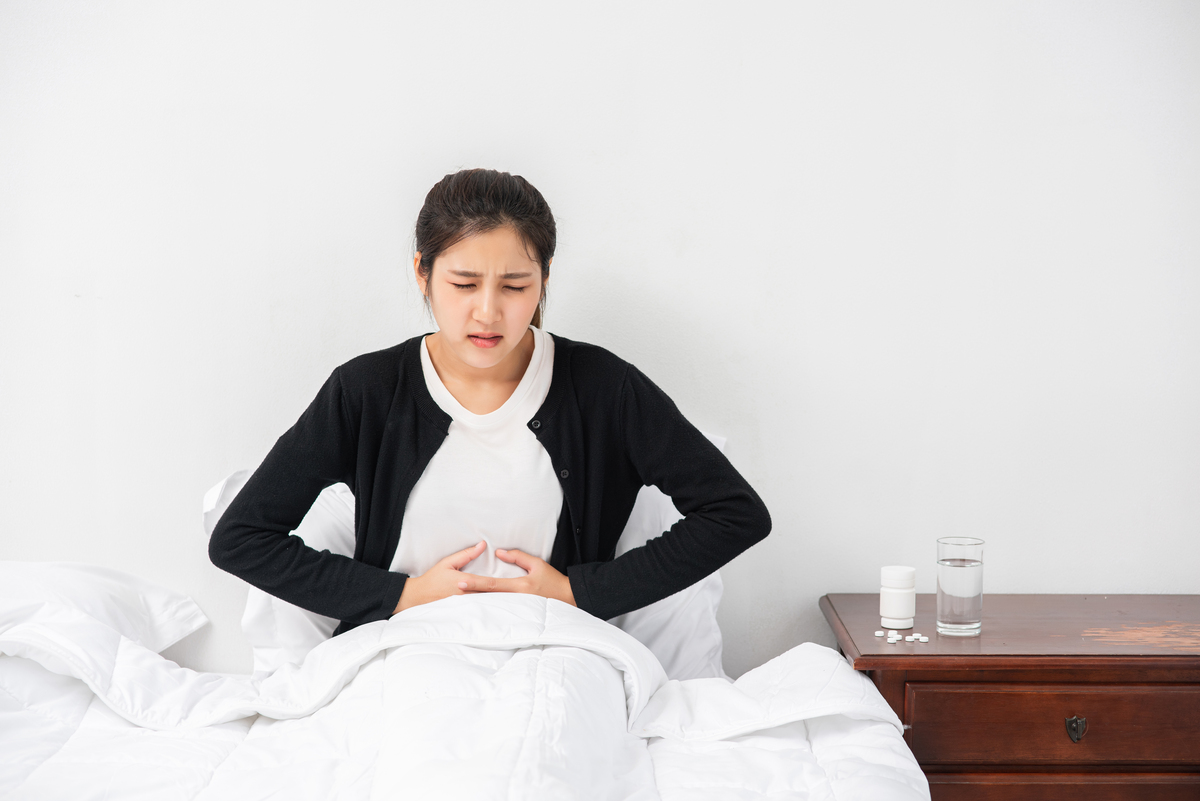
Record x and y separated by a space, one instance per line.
280 632
680 630
144 612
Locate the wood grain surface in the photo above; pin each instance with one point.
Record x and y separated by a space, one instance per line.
1028 631
1025 724
1059 786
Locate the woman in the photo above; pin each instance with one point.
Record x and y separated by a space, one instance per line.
489 456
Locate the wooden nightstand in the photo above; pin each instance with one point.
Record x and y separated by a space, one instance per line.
987 717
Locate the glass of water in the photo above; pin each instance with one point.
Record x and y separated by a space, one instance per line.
959 586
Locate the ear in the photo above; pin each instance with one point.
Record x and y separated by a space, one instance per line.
417 271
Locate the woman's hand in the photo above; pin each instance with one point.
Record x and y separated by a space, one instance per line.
439 581
541 578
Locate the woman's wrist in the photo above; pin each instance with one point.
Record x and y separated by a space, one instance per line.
568 595
406 595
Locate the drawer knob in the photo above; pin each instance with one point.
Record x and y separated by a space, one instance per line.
1076 728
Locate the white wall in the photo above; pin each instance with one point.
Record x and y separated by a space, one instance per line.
932 268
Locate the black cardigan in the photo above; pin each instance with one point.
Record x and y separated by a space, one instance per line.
374 426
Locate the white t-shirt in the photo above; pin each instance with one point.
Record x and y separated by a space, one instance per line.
490 479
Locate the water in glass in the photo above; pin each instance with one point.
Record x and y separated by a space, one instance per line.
959 597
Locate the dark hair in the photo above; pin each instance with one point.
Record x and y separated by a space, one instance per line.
471 202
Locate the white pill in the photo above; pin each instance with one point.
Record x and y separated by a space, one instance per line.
917 634
924 639
879 634
909 638
894 633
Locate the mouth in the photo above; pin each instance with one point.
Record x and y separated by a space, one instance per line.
485 340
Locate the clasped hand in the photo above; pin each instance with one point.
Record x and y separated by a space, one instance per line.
446 578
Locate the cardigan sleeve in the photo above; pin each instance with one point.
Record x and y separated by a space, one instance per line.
253 539
722 514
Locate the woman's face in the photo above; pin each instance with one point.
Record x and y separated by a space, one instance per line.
483 292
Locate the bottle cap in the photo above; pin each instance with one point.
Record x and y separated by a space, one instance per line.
898 577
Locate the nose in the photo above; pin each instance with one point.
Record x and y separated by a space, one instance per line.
487 310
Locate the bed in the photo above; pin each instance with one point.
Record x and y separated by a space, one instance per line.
488 696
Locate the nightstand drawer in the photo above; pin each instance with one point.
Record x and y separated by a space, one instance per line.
1026 724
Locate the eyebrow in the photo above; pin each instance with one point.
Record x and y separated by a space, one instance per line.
505 277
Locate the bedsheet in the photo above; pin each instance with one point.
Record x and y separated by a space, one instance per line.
489 696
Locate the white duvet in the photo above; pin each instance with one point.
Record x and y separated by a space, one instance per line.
489 696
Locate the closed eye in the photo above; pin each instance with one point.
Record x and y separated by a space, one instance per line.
471 286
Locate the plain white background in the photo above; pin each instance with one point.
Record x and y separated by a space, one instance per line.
932 268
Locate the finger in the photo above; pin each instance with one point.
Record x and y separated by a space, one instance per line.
469 582
473 583
460 559
517 557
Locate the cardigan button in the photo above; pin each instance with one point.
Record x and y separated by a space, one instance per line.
578 530
536 424
564 473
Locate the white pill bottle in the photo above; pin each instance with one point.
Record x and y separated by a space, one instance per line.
897 596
